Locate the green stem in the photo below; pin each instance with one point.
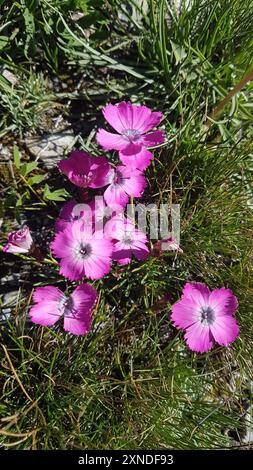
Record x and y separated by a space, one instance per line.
228 97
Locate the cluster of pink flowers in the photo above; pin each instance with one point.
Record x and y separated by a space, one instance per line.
86 247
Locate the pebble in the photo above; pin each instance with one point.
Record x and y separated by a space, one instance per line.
50 148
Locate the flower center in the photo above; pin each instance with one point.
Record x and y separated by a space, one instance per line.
118 178
66 306
128 239
83 251
21 234
207 315
85 179
131 135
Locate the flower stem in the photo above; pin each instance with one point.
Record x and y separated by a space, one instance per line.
217 110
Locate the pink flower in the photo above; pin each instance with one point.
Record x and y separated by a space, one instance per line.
132 124
51 304
168 244
124 182
93 213
82 252
102 212
19 242
72 211
84 170
207 317
128 241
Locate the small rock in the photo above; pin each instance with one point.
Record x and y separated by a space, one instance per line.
10 77
77 15
10 280
8 301
248 419
5 154
51 147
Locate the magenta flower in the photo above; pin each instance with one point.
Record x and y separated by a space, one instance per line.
127 240
51 304
72 211
168 244
132 124
207 317
82 252
124 182
84 170
103 212
19 242
93 213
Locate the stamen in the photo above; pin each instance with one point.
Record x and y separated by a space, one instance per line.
128 240
85 179
131 135
207 315
118 178
83 250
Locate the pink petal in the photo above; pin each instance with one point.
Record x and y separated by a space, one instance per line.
60 225
98 264
123 261
110 141
224 329
153 139
76 326
199 338
140 160
125 113
141 253
62 244
121 254
84 298
81 230
97 267
117 227
45 313
72 269
223 301
198 292
135 185
136 117
77 161
115 194
50 293
132 148
112 116
65 215
184 313
102 177
151 122
10 248
66 210
102 248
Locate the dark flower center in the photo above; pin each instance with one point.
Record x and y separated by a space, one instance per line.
128 240
207 315
84 178
118 178
131 135
67 306
84 250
